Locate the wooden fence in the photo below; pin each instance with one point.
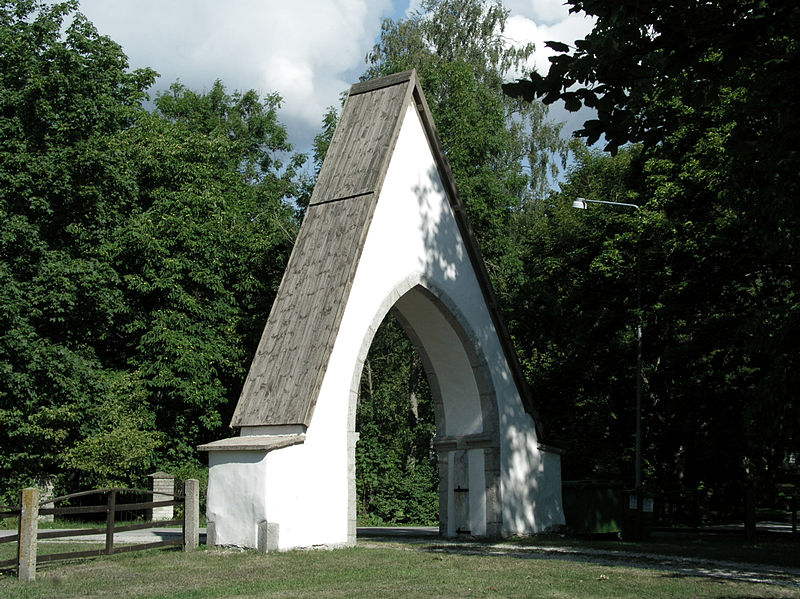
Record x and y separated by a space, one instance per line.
31 508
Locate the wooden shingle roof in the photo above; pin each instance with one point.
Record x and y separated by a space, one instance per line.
286 374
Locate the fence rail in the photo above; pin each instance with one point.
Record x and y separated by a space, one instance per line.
7 511
31 508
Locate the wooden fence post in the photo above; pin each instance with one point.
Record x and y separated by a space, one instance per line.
28 533
110 516
191 515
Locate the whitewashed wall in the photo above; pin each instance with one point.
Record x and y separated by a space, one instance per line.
308 489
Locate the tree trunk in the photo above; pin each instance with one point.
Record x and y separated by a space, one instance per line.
750 511
368 368
413 382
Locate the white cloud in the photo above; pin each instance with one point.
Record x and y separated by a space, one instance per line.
413 6
521 29
307 50
543 12
541 21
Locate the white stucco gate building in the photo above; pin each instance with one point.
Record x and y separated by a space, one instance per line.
385 230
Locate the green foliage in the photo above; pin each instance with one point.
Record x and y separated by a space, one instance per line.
200 264
645 66
573 319
254 139
396 473
191 469
120 443
502 152
139 253
717 178
65 96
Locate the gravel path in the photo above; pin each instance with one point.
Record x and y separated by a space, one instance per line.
685 566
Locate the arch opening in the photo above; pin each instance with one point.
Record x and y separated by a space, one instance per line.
466 444
396 465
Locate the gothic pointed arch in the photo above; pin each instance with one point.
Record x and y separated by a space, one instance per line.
385 229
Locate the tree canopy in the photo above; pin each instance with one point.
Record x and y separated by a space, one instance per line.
141 248
709 91
139 253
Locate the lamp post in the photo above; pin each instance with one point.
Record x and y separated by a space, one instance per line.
582 204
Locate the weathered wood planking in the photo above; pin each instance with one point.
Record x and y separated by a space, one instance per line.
360 145
287 370
286 374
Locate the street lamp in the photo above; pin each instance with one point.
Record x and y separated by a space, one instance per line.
582 204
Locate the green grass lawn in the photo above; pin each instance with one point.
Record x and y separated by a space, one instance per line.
386 571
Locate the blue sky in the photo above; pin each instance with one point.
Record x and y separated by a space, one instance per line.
309 51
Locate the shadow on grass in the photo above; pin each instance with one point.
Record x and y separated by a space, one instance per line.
631 555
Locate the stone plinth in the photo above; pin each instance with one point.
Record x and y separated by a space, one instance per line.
163 485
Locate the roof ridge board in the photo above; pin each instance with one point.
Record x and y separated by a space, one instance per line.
381 82
352 196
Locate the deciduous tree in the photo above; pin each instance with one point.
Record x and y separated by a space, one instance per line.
66 93
139 252
709 90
